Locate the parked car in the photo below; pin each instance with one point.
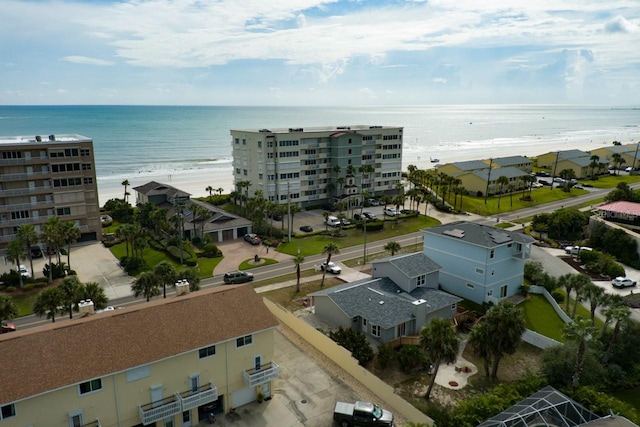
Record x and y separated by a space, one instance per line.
369 215
544 182
331 268
332 221
346 222
306 228
237 277
24 271
558 180
373 202
575 250
359 217
543 173
361 414
628 169
623 282
391 212
36 252
252 238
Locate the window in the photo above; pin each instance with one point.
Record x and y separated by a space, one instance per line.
260 176
422 280
85 152
493 272
490 293
88 180
375 330
479 270
243 341
349 150
244 141
244 172
168 422
237 140
454 307
7 411
491 253
75 419
207 351
470 286
19 214
91 386
503 291
63 211
259 144
364 322
86 166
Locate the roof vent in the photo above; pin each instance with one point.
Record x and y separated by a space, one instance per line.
52 137
296 129
456 232
380 302
38 138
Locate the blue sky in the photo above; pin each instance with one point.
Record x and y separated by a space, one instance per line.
319 52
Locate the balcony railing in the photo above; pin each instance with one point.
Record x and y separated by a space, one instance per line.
161 409
95 423
266 373
205 394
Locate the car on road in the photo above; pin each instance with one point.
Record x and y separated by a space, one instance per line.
346 222
544 182
332 267
6 327
628 169
233 277
252 238
623 282
391 212
306 228
36 252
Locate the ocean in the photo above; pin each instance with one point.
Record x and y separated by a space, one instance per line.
192 145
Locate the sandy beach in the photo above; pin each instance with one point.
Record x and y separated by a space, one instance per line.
196 181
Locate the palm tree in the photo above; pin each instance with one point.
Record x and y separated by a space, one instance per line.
8 308
593 165
325 215
392 247
565 281
192 276
501 181
220 190
166 275
595 295
621 315
47 303
95 292
297 261
580 282
580 331
27 235
329 249
209 189
615 159
15 254
504 325
441 344
125 183
146 285
71 234
71 289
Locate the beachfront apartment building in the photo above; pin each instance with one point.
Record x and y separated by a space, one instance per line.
169 362
478 262
313 166
43 177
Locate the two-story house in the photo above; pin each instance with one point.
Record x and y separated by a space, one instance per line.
164 363
399 299
480 263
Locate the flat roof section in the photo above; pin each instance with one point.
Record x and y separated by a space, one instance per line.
51 139
309 129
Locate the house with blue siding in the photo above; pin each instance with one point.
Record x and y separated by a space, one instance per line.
399 299
480 263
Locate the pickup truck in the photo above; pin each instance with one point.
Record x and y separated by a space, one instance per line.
361 414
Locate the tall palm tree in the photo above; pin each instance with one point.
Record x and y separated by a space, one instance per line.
71 234
297 261
580 282
441 344
209 189
47 303
28 236
8 308
166 275
393 247
580 331
15 254
565 281
126 184
621 315
146 285
95 292
615 159
71 289
501 181
595 295
220 190
329 249
595 160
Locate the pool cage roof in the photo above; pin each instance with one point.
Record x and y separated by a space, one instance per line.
545 408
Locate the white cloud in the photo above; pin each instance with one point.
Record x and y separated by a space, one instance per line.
620 25
440 80
86 60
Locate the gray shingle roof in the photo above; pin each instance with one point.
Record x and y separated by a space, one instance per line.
153 188
413 265
382 302
478 234
572 154
470 165
511 160
508 171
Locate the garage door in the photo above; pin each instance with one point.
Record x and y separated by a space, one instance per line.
243 396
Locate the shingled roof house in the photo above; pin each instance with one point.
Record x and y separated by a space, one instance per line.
169 362
480 263
400 298
218 224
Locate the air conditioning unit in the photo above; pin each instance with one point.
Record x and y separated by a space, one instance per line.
86 307
182 287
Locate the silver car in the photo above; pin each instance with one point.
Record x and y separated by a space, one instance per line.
623 282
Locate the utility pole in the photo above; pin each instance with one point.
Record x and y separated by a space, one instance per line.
635 156
555 166
364 257
486 193
289 209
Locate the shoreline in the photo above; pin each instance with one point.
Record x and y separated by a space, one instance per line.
195 182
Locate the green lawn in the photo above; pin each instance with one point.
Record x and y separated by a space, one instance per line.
611 181
540 317
248 264
25 301
313 245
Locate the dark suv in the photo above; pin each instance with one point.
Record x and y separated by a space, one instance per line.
237 277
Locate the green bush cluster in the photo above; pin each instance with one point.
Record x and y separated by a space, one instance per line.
210 250
133 266
371 226
354 341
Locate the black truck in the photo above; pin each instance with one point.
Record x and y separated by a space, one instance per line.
361 414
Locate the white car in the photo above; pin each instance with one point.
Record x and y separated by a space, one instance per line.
623 282
24 271
331 268
575 250
391 212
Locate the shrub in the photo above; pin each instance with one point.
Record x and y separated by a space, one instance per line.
557 296
10 289
30 286
196 241
386 355
191 263
132 266
10 278
411 357
372 226
57 270
174 251
354 341
210 250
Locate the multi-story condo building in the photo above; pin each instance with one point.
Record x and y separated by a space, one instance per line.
319 165
165 363
45 177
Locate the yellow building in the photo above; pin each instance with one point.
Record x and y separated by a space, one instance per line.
455 168
520 162
628 153
548 160
475 182
168 362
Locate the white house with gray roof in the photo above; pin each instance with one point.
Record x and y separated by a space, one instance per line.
478 262
399 300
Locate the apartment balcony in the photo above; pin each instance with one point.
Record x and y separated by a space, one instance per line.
159 410
266 373
15 177
26 190
205 394
26 206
